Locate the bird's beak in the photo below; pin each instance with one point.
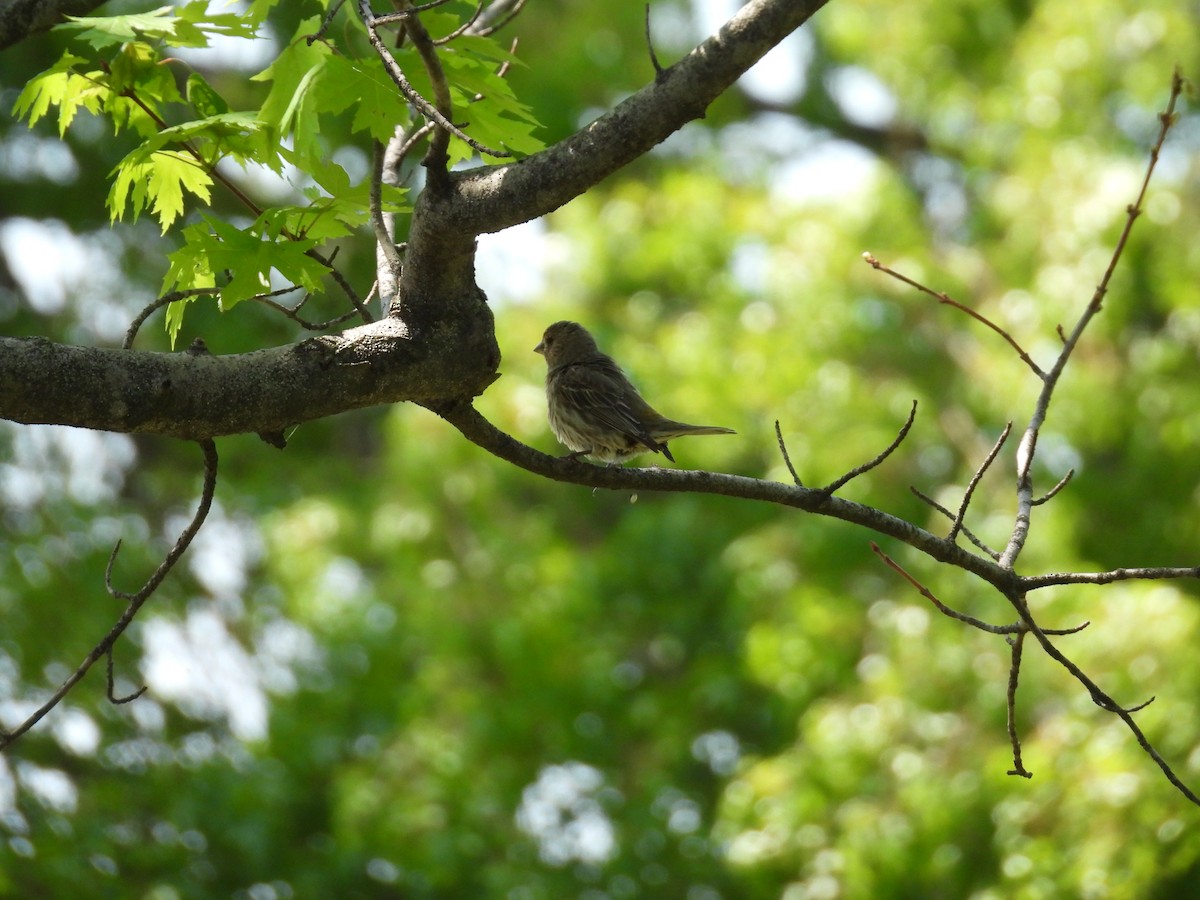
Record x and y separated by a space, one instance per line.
540 348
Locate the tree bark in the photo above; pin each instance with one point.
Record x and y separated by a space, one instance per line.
21 18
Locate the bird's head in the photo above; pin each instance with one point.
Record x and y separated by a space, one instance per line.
566 342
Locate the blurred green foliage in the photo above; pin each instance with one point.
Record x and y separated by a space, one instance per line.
393 666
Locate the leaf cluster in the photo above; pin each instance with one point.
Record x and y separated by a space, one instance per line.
190 141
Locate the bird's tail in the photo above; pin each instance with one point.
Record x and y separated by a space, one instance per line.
669 430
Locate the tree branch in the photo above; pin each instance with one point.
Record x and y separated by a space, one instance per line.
195 397
494 198
20 19
1028 445
475 428
956 527
1014 674
134 602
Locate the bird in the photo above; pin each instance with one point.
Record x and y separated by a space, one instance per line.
594 409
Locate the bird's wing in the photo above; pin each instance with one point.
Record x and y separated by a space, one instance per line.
603 393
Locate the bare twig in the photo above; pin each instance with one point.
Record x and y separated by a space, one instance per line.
384 240
1151 573
786 458
945 298
491 22
966 500
292 312
403 15
134 601
925 592
658 69
1025 451
112 683
1014 671
938 604
478 430
461 29
340 280
832 487
971 536
149 310
325 23
1062 483
1104 701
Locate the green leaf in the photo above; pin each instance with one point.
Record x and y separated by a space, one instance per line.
60 86
102 32
234 24
291 107
204 99
488 48
173 318
189 269
379 107
336 207
249 257
159 182
190 28
137 72
236 134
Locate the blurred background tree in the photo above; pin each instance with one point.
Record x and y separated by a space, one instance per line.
396 667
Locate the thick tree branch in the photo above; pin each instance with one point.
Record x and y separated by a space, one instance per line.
494 198
194 397
21 18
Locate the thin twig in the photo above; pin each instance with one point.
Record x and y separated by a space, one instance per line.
786 458
293 312
1150 573
325 23
929 595
971 536
1014 671
974 483
1025 451
1102 699
945 298
383 236
832 487
134 601
112 683
181 544
488 28
403 15
461 29
1062 483
348 289
150 308
658 69
477 429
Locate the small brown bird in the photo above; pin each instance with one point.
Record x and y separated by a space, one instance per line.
594 410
